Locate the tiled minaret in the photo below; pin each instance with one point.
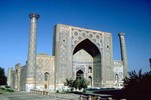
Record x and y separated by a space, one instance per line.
9 77
123 53
31 63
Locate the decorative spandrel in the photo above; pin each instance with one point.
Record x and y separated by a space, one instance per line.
79 35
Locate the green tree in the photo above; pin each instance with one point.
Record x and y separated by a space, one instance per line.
3 78
84 83
79 83
137 83
69 83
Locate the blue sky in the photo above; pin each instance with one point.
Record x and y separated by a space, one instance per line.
133 17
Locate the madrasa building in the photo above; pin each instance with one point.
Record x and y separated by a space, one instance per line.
76 52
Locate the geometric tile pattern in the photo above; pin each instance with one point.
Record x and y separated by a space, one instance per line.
67 39
63 51
44 64
79 35
123 53
32 46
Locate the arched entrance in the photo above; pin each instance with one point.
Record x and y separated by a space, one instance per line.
90 70
87 58
90 80
79 74
46 78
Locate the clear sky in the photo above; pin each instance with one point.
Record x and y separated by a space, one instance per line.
133 17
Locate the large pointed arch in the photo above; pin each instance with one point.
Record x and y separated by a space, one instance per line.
84 50
88 46
79 74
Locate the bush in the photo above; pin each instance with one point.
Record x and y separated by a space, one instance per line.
57 91
2 88
79 83
7 86
66 91
9 90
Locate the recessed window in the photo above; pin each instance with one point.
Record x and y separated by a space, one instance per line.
46 76
90 70
64 40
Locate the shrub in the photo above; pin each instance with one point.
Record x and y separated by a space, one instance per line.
79 83
57 91
7 86
9 90
2 88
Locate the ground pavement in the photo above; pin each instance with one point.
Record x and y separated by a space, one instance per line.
31 96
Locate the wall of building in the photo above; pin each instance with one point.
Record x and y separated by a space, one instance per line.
118 74
96 61
44 69
23 71
66 40
44 63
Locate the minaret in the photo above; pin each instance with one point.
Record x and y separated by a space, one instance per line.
9 77
150 63
31 62
123 53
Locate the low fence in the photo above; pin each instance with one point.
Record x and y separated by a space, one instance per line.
95 97
39 92
57 96
82 97
92 97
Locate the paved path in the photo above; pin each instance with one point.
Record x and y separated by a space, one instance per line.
31 96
